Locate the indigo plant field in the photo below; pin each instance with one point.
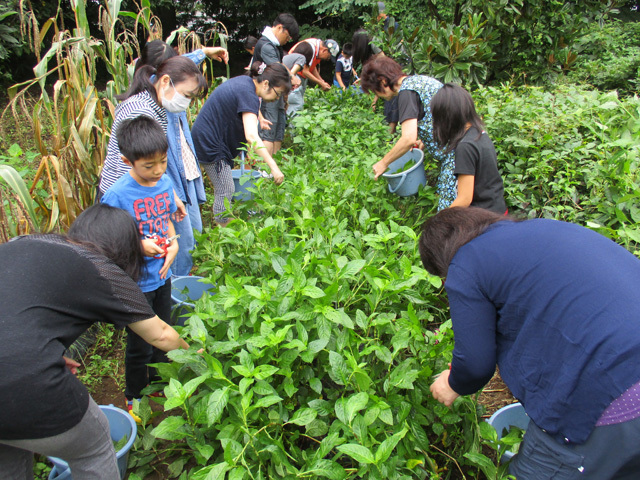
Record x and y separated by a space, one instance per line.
321 342
325 332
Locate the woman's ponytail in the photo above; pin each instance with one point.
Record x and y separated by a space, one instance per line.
276 74
141 82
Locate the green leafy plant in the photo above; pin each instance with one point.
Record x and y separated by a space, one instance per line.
498 446
17 209
320 343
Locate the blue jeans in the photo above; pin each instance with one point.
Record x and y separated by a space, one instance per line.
193 221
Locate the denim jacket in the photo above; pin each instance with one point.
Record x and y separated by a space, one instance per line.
175 167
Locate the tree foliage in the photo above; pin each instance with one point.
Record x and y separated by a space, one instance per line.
529 39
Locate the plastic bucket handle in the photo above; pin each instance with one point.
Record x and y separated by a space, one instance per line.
394 190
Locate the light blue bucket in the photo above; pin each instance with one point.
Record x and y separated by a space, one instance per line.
406 183
184 293
241 193
502 420
121 424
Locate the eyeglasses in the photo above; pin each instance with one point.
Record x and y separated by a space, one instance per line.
278 94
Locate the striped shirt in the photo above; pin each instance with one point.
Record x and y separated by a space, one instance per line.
140 104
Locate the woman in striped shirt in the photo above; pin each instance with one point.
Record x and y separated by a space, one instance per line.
175 82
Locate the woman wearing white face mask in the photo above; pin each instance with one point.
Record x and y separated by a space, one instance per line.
182 164
170 87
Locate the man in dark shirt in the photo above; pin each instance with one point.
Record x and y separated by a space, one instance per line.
269 50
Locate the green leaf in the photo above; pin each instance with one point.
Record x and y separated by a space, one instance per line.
351 268
170 429
313 292
339 370
357 452
316 385
483 462
387 446
354 404
325 468
216 405
263 372
191 385
487 431
14 180
303 416
266 402
211 472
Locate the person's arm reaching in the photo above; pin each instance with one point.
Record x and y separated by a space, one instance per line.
406 142
159 334
474 326
249 120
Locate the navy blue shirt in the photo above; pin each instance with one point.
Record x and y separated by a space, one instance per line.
556 306
218 132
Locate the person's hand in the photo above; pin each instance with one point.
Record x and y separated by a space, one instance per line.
72 365
295 82
151 249
378 169
181 212
441 390
172 251
325 86
278 176
264 123
217 53
419 145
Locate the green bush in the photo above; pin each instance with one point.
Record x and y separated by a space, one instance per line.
609 57
569 154
325 332
322 340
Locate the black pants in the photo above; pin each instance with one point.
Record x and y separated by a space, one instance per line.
139 353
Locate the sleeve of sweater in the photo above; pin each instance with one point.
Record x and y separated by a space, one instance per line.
474 327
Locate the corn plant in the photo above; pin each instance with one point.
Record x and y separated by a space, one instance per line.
75 113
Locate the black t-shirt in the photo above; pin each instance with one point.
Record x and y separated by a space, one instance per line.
51 291
218 132
477 156
409 106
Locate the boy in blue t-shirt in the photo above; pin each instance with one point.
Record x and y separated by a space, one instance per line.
147 194
344 68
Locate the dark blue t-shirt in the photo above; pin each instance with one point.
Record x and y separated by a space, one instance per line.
151 208
556 306
218 132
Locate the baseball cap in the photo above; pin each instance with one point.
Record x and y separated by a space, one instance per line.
334 49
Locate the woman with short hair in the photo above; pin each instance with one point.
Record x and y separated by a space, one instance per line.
556 307
384 77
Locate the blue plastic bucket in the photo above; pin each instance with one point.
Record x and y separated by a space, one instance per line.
241 193
504 419
121 424
184 293
406 183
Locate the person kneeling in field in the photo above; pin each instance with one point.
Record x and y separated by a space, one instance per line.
556 306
